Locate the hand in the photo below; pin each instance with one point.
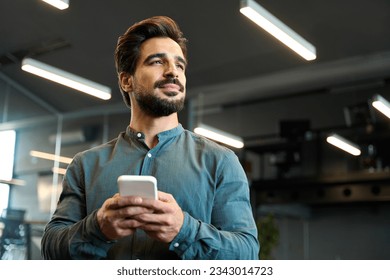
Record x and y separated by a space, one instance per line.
116 216
166 220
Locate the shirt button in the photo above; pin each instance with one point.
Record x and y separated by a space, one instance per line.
176 245
149 155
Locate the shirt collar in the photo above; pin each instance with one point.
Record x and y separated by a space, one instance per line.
133 134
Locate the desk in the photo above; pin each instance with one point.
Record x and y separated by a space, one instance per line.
29 235
16 238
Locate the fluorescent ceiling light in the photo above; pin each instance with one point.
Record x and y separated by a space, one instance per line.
59 4
15 182
7 153
49 156
219 135
278 29
70 137
343 144
59 170
382 105
65 78
7 157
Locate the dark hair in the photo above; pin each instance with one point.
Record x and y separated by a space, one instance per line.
127 51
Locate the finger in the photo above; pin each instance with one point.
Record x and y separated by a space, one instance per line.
151 227
111 203
161 233
153 204
118 201
164 200
129 224
152 218
166 197
122 232
130 200
132 211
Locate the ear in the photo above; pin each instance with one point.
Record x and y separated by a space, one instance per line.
126 81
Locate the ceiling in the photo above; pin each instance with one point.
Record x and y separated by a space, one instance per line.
232 62
230 59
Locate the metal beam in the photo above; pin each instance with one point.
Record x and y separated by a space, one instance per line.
29 94
39 121
313 77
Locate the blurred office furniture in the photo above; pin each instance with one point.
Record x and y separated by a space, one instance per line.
14 241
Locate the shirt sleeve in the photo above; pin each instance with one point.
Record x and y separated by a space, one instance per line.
232 233
71 233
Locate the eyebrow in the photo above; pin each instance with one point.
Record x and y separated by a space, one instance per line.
163 55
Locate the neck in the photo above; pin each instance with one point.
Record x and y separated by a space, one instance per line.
151 126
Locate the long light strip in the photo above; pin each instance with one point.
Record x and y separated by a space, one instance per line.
343 144
382 105
49 156
59 170
7 159
278 29
7 153
65 78
59 4
219 136
16 182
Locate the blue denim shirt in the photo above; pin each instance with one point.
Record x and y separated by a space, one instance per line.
206 179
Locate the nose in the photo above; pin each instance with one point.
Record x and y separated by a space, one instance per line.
171 70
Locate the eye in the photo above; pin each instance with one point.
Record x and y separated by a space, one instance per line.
180 66
156 62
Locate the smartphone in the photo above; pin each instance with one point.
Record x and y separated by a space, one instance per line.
138 185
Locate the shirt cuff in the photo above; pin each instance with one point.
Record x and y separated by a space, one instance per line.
186 236
94 230
88 242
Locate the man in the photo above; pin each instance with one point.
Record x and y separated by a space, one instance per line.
203 209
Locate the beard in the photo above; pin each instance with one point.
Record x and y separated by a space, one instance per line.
155 106
158 107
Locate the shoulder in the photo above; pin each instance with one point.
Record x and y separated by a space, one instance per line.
208 145
98 151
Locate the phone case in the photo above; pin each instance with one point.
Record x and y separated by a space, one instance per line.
138 185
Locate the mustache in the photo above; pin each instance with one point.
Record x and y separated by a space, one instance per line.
169 81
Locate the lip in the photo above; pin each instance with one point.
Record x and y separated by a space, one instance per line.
172 87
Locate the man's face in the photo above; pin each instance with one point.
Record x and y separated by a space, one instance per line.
159 81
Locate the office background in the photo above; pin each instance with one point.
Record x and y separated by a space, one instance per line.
313 200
